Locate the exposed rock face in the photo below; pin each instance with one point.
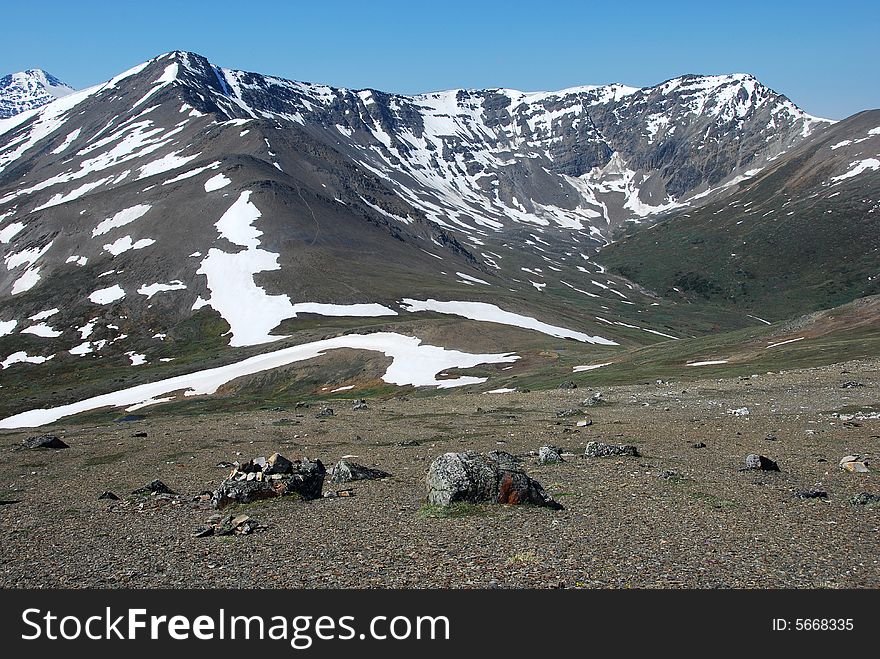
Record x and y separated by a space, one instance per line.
345 471
495 477
602 450
265 479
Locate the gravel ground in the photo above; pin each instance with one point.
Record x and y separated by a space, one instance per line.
623 524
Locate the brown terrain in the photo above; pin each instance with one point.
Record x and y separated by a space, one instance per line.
677 516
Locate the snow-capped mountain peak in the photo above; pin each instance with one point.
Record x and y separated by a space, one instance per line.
29 89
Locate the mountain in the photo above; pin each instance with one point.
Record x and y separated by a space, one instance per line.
29 90
183 216
800 236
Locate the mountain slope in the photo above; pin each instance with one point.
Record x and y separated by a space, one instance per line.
182 216
802 235
29 90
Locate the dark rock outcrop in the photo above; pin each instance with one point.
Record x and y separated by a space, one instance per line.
345 472
265 479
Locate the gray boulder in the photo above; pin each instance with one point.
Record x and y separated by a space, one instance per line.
496 477
760 462
603 450
549 455
345 471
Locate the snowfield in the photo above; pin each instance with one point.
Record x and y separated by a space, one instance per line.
412 364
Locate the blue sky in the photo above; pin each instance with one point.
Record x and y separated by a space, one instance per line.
823 55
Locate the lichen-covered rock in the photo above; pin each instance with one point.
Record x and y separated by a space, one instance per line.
496 477
549 455
345 471
274 477
603 450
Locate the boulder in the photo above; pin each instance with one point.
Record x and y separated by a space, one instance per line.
561 414
549 455
359 404
270 478
326 412
44 441
345 472
854 464
495 477
567 384
760 462
106 494
603 450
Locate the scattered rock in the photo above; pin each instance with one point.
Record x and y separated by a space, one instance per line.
811 494
335 494
561 414
851 385
854 464
301 405
270 478
770 437
359 404
225 464
139 434
495 477
669 474
865 499
583 423
603 450
760 462
228 525
698 445
326 412
549 455
567 384
739 411
595 399
154 487
409 442
345 471
44 441
106 494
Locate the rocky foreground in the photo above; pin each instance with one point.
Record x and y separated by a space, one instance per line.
769 481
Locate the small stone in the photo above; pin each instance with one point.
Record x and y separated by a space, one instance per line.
770 437
865 499
561 414
851 385
359 404
739 411
154 487
326 412
583 423
669 474
549 455
44 441
204 532
760 462
567 384
698 445
848 458
855 467
238 520
811 494
106 494
603 450
595 399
